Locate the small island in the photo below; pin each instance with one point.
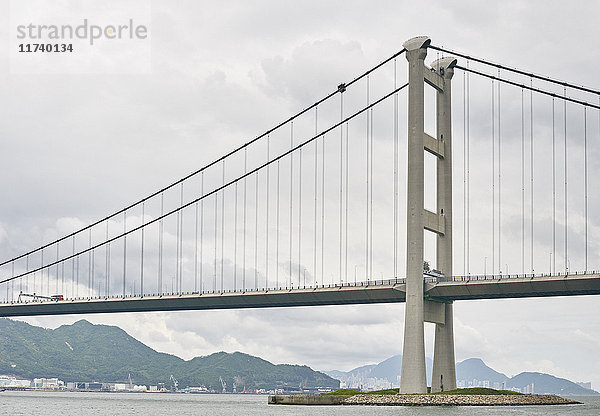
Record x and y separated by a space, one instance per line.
392 397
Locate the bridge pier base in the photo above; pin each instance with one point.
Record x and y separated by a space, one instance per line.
444 370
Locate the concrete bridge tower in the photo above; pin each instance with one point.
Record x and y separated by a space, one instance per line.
418 309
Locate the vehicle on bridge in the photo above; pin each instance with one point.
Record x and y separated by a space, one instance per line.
35 297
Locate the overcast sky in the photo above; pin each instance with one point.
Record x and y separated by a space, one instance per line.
210 76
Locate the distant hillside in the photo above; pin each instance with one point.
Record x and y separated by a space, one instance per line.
388 370
475 368
86 352
466 371
545 383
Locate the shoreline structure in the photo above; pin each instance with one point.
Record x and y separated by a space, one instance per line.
421 400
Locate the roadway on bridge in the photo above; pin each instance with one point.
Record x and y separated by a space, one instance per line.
382 291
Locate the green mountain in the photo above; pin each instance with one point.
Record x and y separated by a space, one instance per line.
87 352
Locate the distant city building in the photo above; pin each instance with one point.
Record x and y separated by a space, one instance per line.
585 385
48 383
6 381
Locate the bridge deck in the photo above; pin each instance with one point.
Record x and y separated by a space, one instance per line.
382 291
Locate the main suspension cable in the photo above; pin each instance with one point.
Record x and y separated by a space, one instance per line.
518 71
218 189
213 163
530 87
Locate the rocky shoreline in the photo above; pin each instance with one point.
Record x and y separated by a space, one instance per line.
456 400
421 400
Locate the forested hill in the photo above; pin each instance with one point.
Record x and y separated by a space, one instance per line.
87 352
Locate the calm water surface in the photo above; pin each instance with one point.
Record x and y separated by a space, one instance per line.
75 403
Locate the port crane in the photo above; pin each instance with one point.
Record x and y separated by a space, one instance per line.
175 383
223 384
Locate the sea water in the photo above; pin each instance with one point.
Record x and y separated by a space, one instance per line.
15 403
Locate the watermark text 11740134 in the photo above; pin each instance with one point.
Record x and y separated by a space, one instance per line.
45 47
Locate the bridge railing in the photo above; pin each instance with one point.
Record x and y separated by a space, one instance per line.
340 285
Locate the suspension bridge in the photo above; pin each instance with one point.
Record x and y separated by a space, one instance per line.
311 211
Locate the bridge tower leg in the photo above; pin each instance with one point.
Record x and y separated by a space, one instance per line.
418 310
412 378
444 370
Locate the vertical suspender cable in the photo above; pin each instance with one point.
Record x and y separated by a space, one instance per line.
371 201
124 249
201 233
395 173
72 270
177 249
553 190
499 184
468 172
316 170
291 196
216 241
268 203
142 248
107 283
41 273
27 269
12 295
62 274
346 214
368 187
256 233
56 273
566 188
161 230
531 172
464 173
341 222
493 180
195 247
90 275
277 231
77 271
93 269
323 210
522 182
245 212
222 227
235 204
585 184
181 241
299 214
